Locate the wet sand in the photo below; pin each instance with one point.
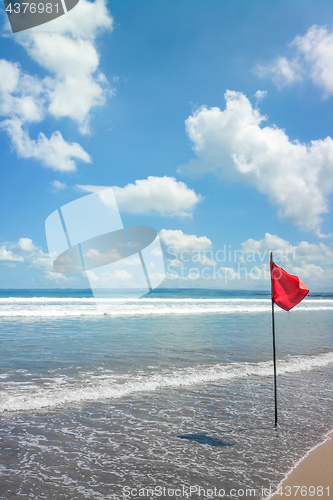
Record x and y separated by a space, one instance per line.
313 475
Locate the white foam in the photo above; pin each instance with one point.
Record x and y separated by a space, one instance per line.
47 307
108 386
92 300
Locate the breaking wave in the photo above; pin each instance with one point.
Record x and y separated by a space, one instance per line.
66 391
63 307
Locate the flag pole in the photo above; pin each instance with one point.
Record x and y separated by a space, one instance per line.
274 350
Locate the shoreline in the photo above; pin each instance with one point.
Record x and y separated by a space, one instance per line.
314 470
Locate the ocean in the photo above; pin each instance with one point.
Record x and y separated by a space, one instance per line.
167 396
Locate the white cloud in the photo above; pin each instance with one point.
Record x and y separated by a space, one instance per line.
176 263
22 102
68 52
18 252
75 88
116 278
260 95
156 252
176 239
26 245
310 272
97 258
41 262
86 21
302 253
24 251
232 143
21 95
307 252
282 71
160 195
311 58
247 267
183 248
54 153
202 259
316 47
9 256
59 186
12 72
270 243
66 49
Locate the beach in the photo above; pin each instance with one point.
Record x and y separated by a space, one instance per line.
168 395
312 476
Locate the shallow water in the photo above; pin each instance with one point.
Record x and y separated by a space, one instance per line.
97 402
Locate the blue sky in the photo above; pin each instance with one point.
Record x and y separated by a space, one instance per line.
212 120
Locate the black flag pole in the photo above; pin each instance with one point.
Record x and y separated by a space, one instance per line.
274 350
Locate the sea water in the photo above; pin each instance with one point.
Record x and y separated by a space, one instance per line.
167 396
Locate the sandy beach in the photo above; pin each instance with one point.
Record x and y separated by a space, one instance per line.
312 476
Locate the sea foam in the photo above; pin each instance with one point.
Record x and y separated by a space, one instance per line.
108 386
52 307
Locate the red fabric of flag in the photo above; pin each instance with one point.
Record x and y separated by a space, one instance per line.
287 290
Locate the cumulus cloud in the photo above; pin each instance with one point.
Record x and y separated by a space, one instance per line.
246 267
69 54
54 153
58 186
43 263
117 277
9 256
160 195
311 59
302 253
66 50
312 263
270 243
21 95
234 144
26 245
312 272
260 95
18 252
282 71
25 251
183 248
180 241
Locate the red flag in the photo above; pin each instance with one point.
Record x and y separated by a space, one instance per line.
287 290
